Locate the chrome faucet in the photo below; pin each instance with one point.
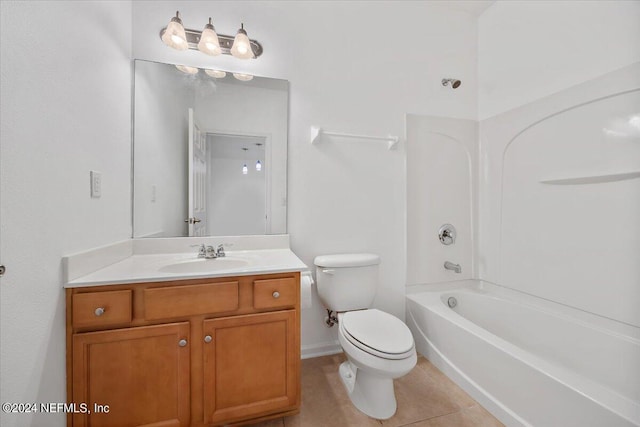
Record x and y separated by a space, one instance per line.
451 266
207 252
220 252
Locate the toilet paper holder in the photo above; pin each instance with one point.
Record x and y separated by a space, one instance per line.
306 285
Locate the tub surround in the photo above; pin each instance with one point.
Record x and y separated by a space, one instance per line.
145 260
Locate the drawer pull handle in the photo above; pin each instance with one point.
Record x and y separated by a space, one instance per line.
276 294
99 311
182 343
208 339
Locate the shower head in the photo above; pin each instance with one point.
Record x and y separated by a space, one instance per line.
455 83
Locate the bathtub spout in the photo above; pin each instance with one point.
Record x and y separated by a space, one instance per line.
451 266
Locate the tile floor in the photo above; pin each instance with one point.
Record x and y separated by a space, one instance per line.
426 398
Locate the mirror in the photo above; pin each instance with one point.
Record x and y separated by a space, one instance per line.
209 154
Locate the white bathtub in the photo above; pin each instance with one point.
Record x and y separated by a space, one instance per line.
528 361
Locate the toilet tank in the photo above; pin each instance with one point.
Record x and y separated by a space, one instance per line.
347 281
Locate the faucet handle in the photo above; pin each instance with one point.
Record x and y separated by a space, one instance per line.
447 234
220 251
202 252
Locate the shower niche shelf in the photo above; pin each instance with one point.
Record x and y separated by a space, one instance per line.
597 179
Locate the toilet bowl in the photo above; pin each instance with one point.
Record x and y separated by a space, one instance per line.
379 348
378 345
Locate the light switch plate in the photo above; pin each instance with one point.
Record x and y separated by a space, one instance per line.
96 184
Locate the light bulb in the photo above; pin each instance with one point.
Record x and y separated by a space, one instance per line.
187 70
245 169
209 42
243 77
174 35
241 45
258 166
218 74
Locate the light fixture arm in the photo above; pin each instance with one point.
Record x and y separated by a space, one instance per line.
226 41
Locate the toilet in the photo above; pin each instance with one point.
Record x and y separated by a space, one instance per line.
378 345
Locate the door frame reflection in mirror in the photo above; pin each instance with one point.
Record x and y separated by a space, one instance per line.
164 84
265 216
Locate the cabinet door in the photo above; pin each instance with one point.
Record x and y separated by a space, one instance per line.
251 365
142 374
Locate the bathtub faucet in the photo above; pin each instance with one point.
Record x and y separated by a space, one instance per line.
451 266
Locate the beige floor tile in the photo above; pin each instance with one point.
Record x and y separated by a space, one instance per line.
426 398
444 383
420 397
278 422
476 416
324 400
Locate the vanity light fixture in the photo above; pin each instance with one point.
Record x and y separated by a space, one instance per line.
258 166
218 74
208 41
243 77
174 35
241 45
187 70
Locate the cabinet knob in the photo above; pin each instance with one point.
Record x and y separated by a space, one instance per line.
182 343
208 339
276 294
99 311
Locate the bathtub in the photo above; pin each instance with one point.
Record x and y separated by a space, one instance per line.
529 361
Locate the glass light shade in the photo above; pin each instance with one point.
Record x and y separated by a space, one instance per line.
187 70
243 77
241 46
209 42
174 35
218 74
258 166
245 169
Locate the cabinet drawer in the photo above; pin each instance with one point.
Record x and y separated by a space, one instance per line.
101 308
192 300
274 293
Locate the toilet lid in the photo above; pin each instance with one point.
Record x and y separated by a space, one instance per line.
378 330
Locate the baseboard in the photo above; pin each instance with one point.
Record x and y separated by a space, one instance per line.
321 349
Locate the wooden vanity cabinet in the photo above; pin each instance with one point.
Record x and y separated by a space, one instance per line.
204 352
141 373
250 365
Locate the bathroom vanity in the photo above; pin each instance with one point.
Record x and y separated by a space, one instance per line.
205 351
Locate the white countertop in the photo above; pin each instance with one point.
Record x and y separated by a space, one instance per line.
139 268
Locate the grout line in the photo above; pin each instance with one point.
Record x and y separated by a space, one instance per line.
430 418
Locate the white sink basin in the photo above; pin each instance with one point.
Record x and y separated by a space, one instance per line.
202 265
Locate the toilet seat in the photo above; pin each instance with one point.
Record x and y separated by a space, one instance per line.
377 333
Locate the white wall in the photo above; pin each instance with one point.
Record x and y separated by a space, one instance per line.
531 49
162 97
65 110
346 74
